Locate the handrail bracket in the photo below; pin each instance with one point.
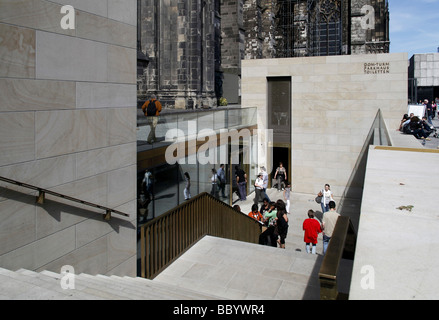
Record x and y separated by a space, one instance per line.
41 198
107 215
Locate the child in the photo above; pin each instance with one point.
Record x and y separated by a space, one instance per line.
312 229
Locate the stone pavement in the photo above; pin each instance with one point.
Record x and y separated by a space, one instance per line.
300 204
396 255
434 143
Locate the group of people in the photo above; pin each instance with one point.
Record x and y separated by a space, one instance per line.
274 217
217 179
312 227
420 128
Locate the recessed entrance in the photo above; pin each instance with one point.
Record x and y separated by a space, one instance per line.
279 120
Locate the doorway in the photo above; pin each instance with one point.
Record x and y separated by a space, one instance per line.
281 154
279 120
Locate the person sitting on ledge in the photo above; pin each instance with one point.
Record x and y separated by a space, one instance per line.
416 128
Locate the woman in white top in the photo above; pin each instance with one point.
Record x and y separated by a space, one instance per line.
327 196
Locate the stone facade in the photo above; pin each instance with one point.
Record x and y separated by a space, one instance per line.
424 69
333 104
67 124
181 39
370 27
196 48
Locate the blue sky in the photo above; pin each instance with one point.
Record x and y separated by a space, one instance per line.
414 26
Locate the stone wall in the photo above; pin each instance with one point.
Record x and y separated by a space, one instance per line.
334 103
68 124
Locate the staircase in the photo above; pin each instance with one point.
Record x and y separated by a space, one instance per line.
30 285
212 269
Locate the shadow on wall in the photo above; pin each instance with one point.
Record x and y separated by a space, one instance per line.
58 211
350 204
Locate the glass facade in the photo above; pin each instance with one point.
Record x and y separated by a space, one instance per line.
217 137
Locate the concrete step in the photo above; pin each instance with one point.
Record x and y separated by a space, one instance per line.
54 283
116 291
146 284
179 293
29 285
16 286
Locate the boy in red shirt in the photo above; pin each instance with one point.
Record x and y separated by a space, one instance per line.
312 229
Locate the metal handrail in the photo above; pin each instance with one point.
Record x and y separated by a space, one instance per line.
42 194
167 237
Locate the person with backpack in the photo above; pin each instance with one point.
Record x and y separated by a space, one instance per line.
151 109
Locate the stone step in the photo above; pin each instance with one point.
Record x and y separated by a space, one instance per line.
86 287
46 285
16 286
116 291
184 293
43 280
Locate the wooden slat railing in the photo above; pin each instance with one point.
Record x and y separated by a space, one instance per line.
167 237
43 192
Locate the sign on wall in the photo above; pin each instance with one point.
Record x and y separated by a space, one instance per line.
377 68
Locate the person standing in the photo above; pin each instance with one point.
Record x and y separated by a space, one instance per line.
281 223
436 101
434 107
429 111
312 228
151 109
241 180
214 179
265 179
187 189
222 180
281 176
327 196
287 195
259 188
147 181
270 221
329 221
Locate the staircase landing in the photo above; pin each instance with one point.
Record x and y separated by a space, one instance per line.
241 271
